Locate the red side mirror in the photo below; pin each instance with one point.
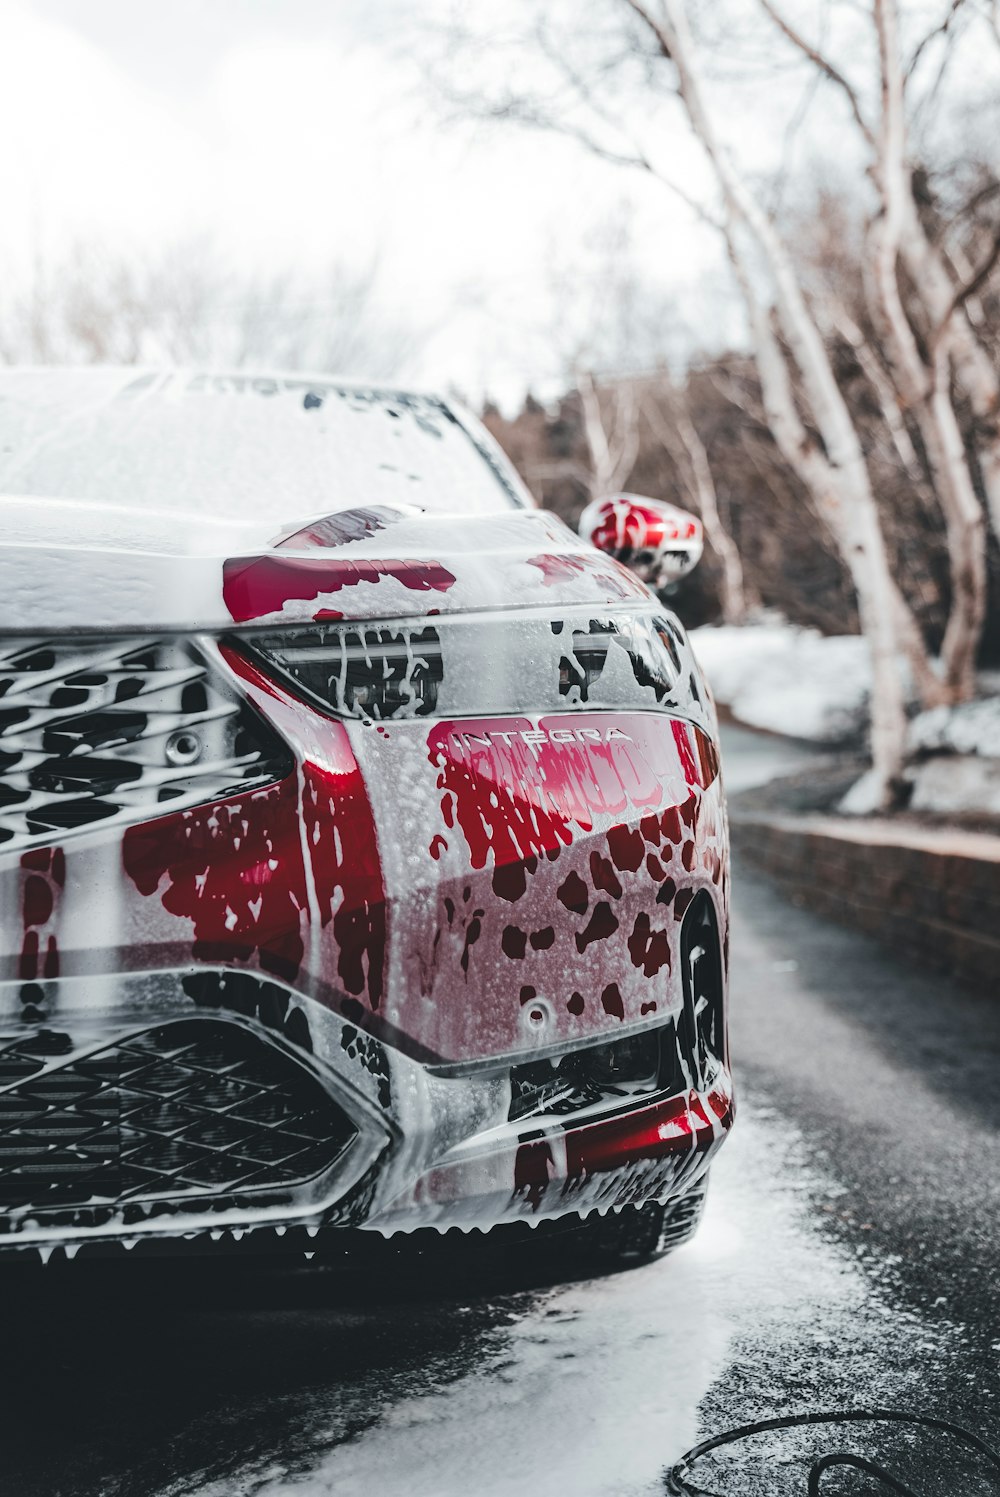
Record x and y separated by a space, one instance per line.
656 540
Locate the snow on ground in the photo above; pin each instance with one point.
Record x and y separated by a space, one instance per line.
957 756
595 1388
802 685
783 679
972 728
956 784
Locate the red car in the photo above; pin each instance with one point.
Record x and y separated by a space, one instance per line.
362 841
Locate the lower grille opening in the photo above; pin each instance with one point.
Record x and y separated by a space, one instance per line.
585 1078
191 1108
673 1057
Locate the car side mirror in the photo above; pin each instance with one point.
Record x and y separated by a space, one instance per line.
656 540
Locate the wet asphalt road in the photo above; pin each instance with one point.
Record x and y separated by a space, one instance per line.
849 1258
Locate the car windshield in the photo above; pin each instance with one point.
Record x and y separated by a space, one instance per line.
237 446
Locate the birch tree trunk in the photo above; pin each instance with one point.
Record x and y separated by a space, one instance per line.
926 390
858 537
933 692
838 477
614 445
974 369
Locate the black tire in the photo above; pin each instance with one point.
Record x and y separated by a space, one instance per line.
639 1234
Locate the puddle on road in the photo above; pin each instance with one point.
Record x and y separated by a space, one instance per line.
595 1389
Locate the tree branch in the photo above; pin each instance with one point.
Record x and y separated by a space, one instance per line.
979 197
844 326
519 110
972 284
941 29
823 63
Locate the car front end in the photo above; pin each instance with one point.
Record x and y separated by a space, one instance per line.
375 877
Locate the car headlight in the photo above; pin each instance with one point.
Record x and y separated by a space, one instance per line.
367 671
482 664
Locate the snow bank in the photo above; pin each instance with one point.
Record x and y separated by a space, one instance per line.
803 685
957 750
965 784
798 682
972 728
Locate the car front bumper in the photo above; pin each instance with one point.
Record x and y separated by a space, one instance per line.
420 1146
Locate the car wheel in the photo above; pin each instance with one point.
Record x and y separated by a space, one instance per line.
639 1234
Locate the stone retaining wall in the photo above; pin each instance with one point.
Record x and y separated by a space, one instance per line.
933 895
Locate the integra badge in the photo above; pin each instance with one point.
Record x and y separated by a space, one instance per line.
536 736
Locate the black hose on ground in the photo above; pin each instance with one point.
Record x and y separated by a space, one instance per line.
679 1486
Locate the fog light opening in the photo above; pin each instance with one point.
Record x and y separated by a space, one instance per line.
614 1072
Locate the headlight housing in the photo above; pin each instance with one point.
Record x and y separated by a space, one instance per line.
359 671
490 664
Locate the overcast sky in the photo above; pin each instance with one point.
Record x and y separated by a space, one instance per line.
296 134
299 133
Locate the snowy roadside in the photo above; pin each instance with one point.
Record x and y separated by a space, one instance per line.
957 753
800 684
781 679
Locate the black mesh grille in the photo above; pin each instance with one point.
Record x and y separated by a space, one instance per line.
94 729
191 1108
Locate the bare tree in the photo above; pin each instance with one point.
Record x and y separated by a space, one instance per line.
921 374
674 428
924 383
835 474
187 306
611 424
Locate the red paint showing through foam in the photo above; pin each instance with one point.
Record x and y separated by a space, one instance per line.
236 869
255 586
517 792
340 529
688 1124
557 567
340 829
